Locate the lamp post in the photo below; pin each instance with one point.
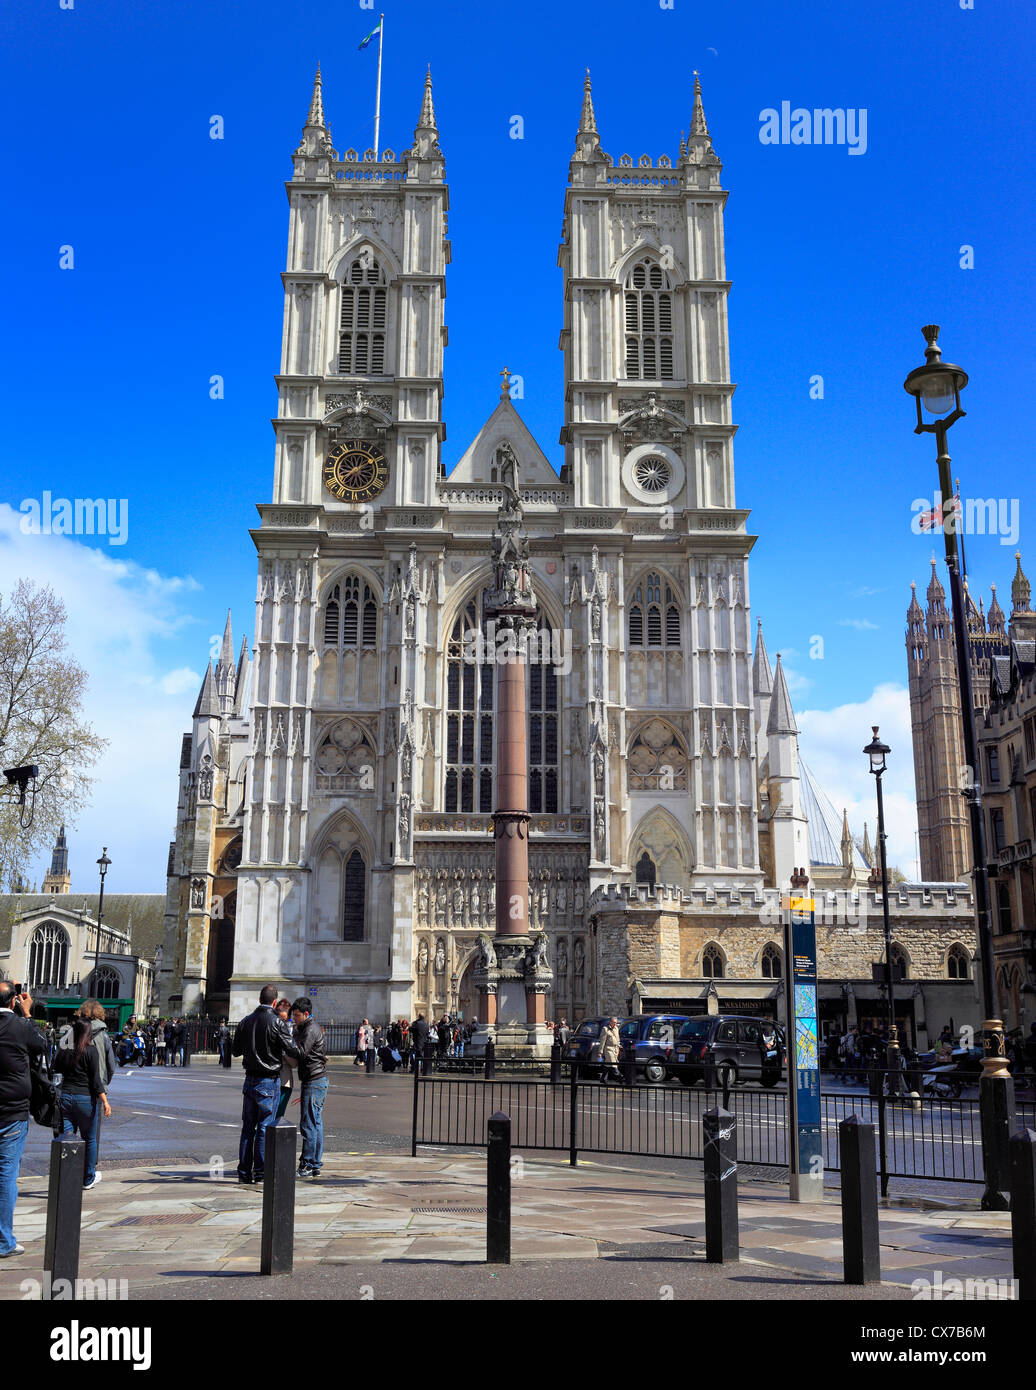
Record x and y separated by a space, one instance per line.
102 864
936 389
876 752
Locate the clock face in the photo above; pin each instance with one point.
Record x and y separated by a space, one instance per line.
355 470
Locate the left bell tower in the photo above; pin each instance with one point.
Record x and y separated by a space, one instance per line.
359 418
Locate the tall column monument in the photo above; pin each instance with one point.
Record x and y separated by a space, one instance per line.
513 973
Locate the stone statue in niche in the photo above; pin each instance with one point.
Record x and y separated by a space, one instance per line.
476 897
580 900
422 957
578 957
205 778
560 893
440 956
562 957
197 892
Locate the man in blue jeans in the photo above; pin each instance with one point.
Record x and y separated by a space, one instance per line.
309 1038
262 1042
21 1044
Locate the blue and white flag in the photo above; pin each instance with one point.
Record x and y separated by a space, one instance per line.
375 30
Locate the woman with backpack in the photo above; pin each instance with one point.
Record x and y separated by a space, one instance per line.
83 1093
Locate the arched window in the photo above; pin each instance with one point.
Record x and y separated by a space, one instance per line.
48 956
655 614
648 311
351 615
354 898
646 872
361 338
104 983
712 962
771 962
898 959
957 963
657 759
469 716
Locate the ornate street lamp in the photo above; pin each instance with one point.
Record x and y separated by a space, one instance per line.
936 389
102 864
876 751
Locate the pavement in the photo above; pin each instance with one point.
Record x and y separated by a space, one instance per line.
392 1225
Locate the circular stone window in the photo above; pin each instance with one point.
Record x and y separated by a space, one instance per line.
653 474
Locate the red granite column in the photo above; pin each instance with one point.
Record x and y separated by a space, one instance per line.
511 819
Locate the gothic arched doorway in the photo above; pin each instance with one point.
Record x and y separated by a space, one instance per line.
467 994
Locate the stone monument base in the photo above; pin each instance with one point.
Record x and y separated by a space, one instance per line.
514 1039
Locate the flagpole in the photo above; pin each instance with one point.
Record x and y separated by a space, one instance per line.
960 531
377 99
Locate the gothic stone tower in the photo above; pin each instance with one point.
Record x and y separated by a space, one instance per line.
325 886
648 435
935 713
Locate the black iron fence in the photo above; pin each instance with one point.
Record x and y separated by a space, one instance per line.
934 1138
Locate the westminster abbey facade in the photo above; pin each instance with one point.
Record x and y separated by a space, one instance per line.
333 829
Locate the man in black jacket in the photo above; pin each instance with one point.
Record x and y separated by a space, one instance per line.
309 1039
21 1044
262 1041
418 1040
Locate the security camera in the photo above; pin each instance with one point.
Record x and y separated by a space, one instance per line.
20 777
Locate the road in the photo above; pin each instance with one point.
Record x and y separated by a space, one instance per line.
166 1116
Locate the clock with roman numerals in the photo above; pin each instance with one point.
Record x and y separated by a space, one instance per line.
355 470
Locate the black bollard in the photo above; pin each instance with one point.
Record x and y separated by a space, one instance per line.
719 1130
555 1064
186 1059
370 1057
629 1067
426 1060
277 1243
498 1191
490 1059
1022 1149
861 1253
999 1120
64 1217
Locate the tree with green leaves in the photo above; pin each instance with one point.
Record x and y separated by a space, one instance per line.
41 721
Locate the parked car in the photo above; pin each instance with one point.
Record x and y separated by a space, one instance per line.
722 1051
651 1037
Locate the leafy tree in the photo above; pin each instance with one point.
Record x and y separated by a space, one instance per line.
41 722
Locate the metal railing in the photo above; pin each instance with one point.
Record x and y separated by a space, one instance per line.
935 1139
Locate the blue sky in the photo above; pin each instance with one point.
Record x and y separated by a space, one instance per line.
179 240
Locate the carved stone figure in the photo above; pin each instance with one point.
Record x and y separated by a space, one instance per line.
560 893
537 959
422 957
595 620
440 956
579 901
197 892
476 897
578 957
458 899
562 957
599 827
205 778
486 954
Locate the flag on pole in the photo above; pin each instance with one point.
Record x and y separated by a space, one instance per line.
375 30
933 520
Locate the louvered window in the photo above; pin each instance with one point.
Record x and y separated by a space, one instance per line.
363 319
663 615
648 322
342 615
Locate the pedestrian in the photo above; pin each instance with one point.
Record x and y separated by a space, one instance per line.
224 1041
610 1049
562 1032
261 1041
363 1042
283 1011
21 1044
419 1035
168 1033
179 1035
83 1094
312 1066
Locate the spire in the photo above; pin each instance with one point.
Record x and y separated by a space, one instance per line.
975 620
847 841
587 121
996 613
316 106
226 654
936 593
868 851
698 126
427 120
1021 590
762 676
208 705
782 719
914 613
59 859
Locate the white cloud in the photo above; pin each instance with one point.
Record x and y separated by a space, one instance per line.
864 624
124 625
831 741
